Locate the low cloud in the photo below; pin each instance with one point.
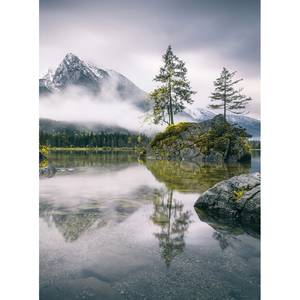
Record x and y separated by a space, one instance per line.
75 105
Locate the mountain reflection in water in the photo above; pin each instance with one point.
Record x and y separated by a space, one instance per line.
111 227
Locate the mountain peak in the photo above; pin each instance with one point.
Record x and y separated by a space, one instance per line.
72 71
70 57
72 62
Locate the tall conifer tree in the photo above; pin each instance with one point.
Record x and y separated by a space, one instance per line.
227 96
174 91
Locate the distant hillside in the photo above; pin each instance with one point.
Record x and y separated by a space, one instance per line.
51 126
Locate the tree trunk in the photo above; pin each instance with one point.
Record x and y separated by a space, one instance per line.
169 118
171 112
225 99
170 105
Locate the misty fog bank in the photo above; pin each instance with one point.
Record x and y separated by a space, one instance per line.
75 105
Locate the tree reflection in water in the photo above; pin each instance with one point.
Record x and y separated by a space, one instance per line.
222 238
169 214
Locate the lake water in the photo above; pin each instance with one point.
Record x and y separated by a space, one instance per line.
112 227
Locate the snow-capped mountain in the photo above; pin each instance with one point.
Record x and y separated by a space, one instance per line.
250 124
73 71
200 114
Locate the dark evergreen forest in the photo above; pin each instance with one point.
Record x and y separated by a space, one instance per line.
90 139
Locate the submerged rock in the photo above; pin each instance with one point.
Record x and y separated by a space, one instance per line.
236 200
211 141
47 171
187 176
41 157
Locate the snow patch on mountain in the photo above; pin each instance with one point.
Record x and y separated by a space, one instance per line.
200 114
250 124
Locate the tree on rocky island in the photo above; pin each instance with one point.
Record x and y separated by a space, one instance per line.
174 91
227 96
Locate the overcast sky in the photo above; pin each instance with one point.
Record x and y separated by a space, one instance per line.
130 37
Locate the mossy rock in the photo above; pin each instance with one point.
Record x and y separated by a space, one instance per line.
172 132
214 140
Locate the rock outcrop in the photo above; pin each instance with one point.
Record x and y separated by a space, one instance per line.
211 141
236 200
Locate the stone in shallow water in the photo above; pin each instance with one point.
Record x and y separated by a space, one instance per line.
234 200
48 171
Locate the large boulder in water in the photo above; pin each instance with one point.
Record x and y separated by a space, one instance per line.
234 200
211 141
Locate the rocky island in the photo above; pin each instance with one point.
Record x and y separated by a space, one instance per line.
211 141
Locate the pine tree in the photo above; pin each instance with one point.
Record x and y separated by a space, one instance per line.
174 91
230 99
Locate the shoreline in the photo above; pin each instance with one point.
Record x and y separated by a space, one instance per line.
103 149
93 149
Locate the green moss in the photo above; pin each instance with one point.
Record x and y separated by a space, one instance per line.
171 133
221 137
44 150
178 128
238 194
44 163
218 135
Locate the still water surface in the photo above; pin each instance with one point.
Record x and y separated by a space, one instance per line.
112 227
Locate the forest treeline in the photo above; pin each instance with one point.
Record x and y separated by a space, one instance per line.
255 144
90 139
